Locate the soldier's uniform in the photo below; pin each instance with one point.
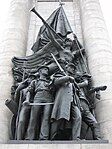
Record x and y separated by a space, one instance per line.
66 105
43 94
87 116
23 117
24 114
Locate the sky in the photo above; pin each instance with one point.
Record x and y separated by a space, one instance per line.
106 6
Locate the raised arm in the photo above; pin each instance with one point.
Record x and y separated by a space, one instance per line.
62 80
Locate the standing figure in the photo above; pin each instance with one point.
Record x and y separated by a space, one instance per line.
24 114
22 85
67 105
87 115
39 124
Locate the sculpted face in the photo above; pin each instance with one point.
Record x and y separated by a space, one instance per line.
17 78
70 69
44 71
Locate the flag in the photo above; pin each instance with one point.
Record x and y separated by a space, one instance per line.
59 22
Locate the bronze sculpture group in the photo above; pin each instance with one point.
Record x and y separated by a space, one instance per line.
52 95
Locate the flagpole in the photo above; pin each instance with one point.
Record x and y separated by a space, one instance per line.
60 3
87 69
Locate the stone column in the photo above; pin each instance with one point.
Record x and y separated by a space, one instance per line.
99 52
77 20
13 44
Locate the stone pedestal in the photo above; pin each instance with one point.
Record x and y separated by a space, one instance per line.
14 43
99 51
56 146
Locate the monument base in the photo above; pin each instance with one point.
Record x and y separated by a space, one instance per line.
83 144
58 142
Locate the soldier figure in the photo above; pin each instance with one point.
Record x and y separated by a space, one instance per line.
41 110
87 116
67 104
24 113
22 85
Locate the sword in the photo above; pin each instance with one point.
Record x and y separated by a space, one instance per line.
40 104
37 104
62 70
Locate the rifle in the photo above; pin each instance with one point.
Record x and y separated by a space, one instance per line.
45 23
93 90
76 40
96 89
94 96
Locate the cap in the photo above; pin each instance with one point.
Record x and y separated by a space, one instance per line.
71 65
43 66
